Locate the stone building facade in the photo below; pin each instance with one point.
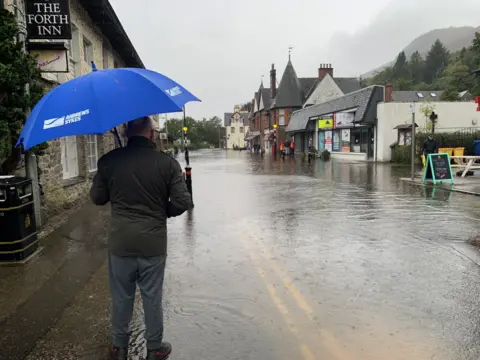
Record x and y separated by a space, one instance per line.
69 164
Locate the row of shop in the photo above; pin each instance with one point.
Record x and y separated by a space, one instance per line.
345 126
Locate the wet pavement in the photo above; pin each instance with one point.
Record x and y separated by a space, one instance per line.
278 260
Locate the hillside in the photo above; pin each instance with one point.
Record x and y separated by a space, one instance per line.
454 38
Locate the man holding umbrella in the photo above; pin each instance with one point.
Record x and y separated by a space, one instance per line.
144 187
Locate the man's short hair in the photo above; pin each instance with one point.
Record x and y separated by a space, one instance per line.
139 126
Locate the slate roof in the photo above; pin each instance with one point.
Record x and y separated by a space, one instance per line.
413 96
348 85
308 84
227 118
266 96
360 99
289 93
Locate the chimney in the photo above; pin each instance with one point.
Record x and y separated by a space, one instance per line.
323 70
273 82
388 92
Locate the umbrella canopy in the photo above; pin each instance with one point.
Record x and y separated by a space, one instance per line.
101 100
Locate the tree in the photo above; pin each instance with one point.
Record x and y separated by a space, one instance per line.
458 78
436 61
17 69
202 133
248 106
400 69
416 67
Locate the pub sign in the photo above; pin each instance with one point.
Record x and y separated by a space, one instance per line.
48 19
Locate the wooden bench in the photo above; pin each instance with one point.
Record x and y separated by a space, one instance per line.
466 163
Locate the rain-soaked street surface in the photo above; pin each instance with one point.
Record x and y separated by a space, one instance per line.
278 260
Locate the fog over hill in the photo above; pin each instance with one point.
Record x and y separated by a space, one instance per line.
394 29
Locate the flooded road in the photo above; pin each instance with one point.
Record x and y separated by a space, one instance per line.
321 261
290 260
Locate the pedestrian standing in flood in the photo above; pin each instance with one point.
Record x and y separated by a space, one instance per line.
144 187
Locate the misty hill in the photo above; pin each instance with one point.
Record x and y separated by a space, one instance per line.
454 38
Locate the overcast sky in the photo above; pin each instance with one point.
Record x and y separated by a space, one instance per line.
219 49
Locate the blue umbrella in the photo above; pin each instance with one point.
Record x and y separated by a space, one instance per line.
101 100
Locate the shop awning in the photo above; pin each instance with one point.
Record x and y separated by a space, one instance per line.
252 135
269 135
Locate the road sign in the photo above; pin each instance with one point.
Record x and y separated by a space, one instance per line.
412 108
163 136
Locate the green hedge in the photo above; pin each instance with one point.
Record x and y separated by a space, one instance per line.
402 154
460 138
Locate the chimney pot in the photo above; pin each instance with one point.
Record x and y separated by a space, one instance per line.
324 70
388 92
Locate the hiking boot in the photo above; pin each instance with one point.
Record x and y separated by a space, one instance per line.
117 353
161 353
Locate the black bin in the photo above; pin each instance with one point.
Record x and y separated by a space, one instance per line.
18 235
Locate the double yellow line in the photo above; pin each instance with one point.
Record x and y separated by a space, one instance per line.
314 337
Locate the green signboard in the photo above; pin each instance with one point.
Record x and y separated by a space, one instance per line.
438 169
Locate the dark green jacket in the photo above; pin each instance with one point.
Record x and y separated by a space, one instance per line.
144 187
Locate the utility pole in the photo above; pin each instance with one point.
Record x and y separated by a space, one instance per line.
412 170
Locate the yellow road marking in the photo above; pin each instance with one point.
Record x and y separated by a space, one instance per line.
282 309
330 342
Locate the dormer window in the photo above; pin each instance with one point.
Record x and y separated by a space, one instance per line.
433 94
420 95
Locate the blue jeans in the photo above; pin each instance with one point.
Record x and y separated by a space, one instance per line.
124 274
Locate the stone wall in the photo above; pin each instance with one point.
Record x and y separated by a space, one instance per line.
61 194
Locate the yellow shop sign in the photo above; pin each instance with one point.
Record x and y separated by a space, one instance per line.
325 123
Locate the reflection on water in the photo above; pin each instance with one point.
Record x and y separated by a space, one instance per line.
378 260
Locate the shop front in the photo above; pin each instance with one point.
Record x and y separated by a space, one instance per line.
345 126
338 134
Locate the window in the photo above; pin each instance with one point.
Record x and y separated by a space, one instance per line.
232 130
69 157
420 95
241 130
92 152
281 117
87 50
74 51
105 57
433 94
115 64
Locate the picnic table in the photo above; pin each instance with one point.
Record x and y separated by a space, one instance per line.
466 163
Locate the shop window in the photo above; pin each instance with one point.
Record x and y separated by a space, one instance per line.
336 141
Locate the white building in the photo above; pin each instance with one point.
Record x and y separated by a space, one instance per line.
393 116
236 125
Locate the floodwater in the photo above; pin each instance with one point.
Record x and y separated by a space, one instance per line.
283 259
338 260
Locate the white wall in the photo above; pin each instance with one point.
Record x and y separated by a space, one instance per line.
326 90
452 116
